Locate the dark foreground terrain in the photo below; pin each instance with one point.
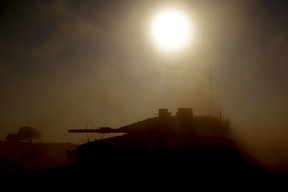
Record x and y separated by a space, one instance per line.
24 158
47 165
26 165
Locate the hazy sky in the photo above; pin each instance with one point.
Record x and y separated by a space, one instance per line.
68 63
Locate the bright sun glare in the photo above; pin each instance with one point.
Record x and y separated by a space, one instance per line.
171 30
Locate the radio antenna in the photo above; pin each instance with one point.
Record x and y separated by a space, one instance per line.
212 96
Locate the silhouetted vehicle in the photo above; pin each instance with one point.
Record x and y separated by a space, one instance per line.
153 136
184 143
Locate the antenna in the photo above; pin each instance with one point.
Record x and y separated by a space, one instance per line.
87 135
212 96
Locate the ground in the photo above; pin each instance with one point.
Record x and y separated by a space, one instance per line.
46 164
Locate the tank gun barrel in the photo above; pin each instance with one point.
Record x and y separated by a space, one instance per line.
99 130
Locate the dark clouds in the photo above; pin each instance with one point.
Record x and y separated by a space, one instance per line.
65 64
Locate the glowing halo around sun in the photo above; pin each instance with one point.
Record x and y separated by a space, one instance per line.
171 30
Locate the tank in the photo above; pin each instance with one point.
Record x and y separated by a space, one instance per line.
181 143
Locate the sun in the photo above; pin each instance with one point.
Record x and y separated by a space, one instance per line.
171 30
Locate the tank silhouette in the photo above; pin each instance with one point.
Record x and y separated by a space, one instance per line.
198 144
